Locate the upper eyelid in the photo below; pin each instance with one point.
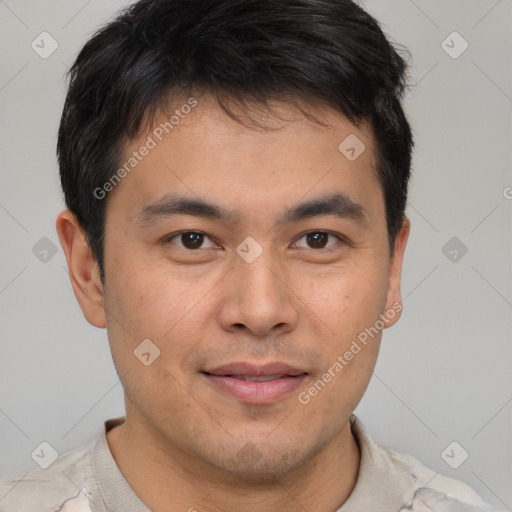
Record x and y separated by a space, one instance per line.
169 237
340 237
298 237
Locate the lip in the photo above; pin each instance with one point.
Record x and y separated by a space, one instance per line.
224 378
254 370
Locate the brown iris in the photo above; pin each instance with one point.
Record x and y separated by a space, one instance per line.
317 240
192 240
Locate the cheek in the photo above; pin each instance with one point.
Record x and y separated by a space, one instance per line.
347 305
147 301
346 300
148 297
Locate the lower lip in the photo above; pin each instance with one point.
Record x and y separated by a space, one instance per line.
256 392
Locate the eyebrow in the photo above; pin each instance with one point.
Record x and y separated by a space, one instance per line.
338 204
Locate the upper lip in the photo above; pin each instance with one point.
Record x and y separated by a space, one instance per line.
254 370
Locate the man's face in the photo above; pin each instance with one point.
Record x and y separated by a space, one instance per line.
256 287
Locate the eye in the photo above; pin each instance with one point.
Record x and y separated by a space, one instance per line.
318 240
190 240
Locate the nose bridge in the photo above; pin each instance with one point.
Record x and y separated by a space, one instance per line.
256 271
257 293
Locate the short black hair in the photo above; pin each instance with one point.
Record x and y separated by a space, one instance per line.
329 52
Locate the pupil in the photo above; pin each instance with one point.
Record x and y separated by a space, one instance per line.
192 240
317 240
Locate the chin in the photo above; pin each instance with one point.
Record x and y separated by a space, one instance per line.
254 467
262 473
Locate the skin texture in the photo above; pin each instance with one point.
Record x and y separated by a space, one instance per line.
185 444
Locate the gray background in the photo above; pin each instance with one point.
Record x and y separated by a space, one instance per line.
444 370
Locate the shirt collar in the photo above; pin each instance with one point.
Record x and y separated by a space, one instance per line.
114 489
383 483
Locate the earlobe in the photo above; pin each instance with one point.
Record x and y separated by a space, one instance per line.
83 269
394 307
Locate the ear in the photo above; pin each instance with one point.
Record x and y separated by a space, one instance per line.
83 269
394 296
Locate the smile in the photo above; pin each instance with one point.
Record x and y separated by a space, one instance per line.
254 384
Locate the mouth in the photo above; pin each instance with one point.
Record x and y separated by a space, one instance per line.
255 384
248 378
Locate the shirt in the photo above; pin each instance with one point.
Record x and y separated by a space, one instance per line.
87 479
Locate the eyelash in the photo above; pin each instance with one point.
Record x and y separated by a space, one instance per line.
340 238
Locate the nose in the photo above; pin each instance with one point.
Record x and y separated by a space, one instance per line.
257 297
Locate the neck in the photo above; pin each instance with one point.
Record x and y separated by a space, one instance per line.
168 480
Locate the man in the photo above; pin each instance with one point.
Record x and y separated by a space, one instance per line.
236 180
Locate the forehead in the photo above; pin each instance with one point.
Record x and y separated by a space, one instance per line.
263 158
